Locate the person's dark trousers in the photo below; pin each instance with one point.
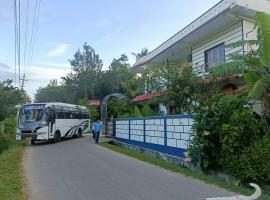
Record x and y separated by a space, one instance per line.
97 137
93 134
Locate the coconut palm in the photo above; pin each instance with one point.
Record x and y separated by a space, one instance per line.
254 65
143 52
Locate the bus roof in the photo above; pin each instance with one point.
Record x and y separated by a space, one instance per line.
58 104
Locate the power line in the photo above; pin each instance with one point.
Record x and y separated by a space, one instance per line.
17 30
15 41
33 36
26 33
28 46
35 33
19 42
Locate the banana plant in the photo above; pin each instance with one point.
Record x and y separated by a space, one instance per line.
254 65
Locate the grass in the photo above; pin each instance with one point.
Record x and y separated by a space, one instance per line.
11 180
184 171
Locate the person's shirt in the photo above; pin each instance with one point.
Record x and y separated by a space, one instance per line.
93 126
98 127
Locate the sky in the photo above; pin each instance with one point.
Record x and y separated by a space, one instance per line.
111 27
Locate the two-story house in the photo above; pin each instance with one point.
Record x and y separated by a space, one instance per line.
203 41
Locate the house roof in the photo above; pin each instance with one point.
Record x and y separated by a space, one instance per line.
244 8
145 97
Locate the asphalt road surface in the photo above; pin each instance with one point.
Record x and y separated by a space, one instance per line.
77 169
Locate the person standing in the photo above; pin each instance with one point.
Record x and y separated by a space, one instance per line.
93 129
97 131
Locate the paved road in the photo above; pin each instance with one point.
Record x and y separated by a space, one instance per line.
77 169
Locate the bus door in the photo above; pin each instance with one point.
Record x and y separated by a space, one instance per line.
51 120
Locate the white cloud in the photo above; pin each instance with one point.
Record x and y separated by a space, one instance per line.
59 50
54 65
4 66
41 76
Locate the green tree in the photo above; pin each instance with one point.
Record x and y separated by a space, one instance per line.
10 96
117 74
143 52
177 85
86 66
254 65
51 93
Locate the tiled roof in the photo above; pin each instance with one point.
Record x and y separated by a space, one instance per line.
145 97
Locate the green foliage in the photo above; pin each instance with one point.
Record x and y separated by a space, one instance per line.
137 112
143 52
226 132
7 132
146 111
10 96
178 85
251 164
4 142
114 79
133 86
52 93
86 66
94 113
11 178
88 81
255 64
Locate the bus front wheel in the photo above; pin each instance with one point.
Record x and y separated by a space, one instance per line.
56 137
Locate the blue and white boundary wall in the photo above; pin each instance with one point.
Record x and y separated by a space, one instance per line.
166 134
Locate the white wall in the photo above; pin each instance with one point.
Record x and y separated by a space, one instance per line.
249 33
229 35
122 128
178 130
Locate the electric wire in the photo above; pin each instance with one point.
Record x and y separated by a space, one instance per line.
15 40
26 34
19 41
34 38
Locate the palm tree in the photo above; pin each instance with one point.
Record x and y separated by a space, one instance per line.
254 65
143 52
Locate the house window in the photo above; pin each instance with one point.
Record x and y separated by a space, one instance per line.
214 56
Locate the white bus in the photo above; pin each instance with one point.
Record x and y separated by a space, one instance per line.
51 121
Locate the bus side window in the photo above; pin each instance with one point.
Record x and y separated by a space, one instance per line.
60 115
65 115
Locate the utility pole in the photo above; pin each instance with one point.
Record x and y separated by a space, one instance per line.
19 42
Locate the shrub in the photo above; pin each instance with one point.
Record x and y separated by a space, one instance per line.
252 164
4 142
146 111
137 112
10 126
228 135
210 116
7 132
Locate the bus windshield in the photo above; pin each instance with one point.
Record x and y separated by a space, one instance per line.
32 113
